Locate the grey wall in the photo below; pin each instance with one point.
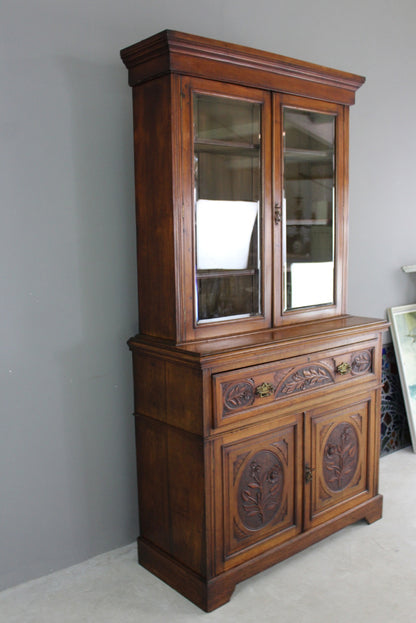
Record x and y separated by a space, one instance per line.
67 257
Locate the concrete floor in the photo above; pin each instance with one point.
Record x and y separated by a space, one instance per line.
363 574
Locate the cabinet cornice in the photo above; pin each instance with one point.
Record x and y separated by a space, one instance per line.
176 52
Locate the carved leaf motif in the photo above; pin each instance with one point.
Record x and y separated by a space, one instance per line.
340 457
238 395
305 378
260 490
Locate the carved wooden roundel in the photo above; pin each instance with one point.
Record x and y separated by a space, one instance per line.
340 457
239 395
361 362
260 490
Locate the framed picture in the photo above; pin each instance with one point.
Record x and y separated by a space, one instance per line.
403 329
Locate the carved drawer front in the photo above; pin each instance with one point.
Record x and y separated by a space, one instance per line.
259 489
239 393
336 460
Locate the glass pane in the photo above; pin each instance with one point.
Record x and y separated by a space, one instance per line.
227 153
309 201
227 120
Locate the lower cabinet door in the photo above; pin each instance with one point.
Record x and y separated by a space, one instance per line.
259 490
338 458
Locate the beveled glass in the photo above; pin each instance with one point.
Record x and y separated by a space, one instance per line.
227 168
308 208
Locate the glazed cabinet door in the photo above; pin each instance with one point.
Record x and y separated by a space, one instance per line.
226 187
258 492
339 455
311 139
263 192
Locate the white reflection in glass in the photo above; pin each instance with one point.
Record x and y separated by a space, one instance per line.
223 234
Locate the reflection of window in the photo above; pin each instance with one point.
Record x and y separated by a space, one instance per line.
223 233
312 283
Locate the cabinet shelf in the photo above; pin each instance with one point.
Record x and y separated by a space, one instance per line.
308 222
307 155
218 145
211 274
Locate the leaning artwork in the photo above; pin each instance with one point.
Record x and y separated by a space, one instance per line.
403 329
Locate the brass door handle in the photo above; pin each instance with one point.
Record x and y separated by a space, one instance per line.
277 214
308 473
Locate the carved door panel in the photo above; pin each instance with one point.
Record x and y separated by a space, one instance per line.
261 489
336 460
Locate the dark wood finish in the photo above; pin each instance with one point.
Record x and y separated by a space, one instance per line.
187 330
165 71
200 528
341 201
176 52
155 224
259 436
237 395
337 450
261 490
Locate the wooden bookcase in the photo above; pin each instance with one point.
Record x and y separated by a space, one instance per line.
257 396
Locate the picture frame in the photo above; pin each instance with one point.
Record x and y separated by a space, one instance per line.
403 330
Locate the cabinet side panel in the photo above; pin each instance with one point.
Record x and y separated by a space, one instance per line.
186 499
168 391
154 209
184 397
149 376
170 458
152 481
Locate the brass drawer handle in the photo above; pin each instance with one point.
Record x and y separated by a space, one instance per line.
264 390
344 368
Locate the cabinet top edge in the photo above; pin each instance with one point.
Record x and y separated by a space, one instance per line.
177 47
351 326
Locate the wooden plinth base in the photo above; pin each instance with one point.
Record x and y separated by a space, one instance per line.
209 594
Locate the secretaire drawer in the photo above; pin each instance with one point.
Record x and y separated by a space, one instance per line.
240 393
